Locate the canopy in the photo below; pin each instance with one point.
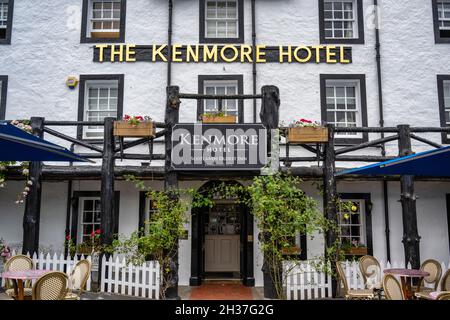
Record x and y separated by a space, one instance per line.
18 145
433 163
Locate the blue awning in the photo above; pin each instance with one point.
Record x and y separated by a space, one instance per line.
18 145
433 163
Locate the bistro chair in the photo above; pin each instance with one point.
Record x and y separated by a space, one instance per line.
392 288
351 294
51 286
19 262
78 279
445 284
445 295
434 268
371 272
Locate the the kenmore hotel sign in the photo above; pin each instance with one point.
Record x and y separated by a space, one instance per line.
219 146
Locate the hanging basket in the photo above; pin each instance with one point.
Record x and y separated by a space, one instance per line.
219 119
307 135
126 129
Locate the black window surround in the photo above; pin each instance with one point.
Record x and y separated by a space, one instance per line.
438 37
363 103
3 94
85 38
7 38
360 22
240 83
204 39
440 84
368 215
82 94
76 213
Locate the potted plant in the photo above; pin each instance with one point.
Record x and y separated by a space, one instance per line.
218 117
307 131
134 126
294 250
5 254
354 248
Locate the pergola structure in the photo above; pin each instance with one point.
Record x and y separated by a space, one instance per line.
328 154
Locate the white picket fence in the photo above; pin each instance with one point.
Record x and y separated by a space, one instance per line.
116 276
120 278
304 282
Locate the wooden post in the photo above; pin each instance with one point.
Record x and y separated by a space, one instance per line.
32 213
330 196
411 238
269 115
107 184
171 180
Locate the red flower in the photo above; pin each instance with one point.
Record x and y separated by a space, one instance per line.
126 117
68 237
305 121
92 234
98 231
140 118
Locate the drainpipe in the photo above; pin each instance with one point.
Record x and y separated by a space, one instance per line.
381 113
68 207
254 56
169 45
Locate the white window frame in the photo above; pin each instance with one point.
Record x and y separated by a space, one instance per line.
217 20
91 18
362 222
226 84
95 132
4 8
441 19
81 222
346 83
354 21
149 210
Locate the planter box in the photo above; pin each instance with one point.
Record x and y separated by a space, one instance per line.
307 135
362 251
142 129
291 250
219 119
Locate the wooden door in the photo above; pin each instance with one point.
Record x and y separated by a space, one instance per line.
222 253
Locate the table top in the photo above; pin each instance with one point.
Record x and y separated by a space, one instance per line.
24 275
412 273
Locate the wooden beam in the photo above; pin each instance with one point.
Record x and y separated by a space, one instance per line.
411 238
32 214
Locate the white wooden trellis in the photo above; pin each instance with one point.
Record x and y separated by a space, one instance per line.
304 282
120 278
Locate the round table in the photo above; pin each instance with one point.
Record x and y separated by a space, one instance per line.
19 277
406 276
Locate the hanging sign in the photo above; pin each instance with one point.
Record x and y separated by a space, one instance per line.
222 53
197 146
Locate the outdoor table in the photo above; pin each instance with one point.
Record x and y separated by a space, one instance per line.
19 277
406 276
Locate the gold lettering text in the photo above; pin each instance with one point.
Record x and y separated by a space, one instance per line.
317 48
246 53
118 52
176 52
157 52
298 58
223 55
210 53
191 54
287 54
260 55
101 48
343 59
130 53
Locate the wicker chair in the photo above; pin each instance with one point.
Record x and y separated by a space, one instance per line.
371 272
445 295
78 279
51 286
445 283
19 263
392 288
434 268
350 294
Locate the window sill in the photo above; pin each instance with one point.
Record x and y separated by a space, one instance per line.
102 40
342 41
442 40
222 40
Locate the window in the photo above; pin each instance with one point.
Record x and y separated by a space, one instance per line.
103 21
221 21
89 218
147 208
355 220
441 17
6 16
221 85
101 96
341 21
3 91
344 104
444 104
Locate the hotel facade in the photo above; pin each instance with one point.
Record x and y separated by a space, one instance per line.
349 63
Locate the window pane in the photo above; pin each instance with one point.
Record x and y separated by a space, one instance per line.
221 9
340 103
340 116
340 92
330 117
220 90
211 29
221 29
232 29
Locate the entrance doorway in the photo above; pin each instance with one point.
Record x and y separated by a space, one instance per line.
222 241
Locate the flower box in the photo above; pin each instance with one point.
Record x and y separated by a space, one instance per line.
291 250
307 134
219 119
357 251
126 129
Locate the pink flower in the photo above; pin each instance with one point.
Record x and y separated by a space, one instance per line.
305 120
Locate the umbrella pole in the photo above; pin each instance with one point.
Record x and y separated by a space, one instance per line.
32 213
411 238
